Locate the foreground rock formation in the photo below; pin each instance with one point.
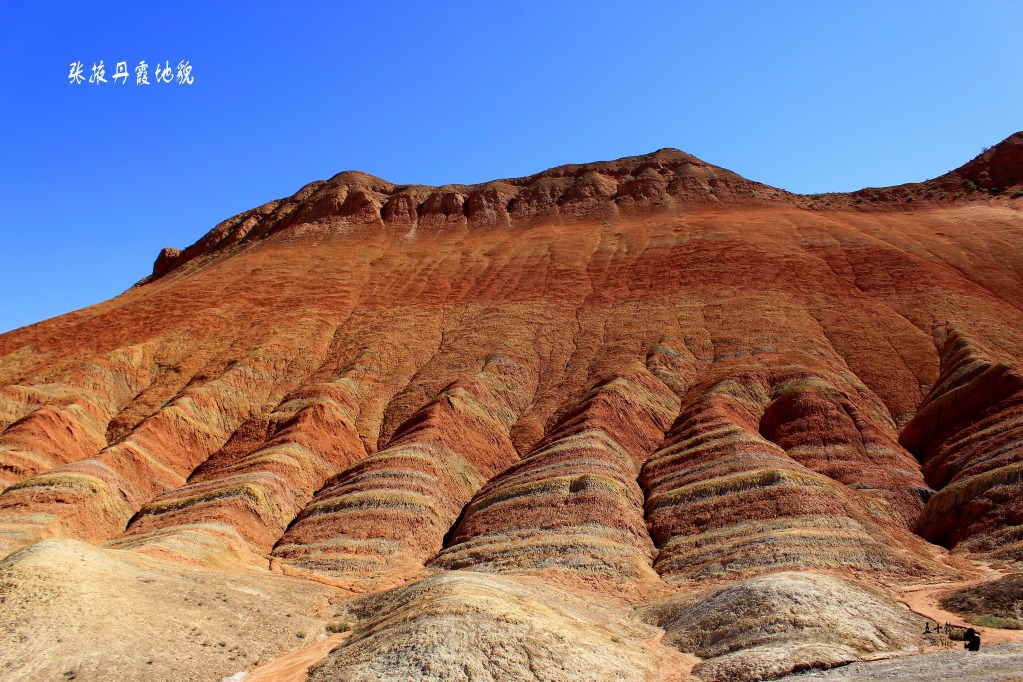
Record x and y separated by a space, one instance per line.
616 420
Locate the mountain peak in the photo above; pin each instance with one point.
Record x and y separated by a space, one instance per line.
666 180
357 202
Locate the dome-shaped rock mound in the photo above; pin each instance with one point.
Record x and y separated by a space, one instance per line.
768 626
438 628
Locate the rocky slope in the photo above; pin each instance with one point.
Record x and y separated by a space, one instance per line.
604 403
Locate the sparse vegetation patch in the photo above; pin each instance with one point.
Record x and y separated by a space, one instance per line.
997 604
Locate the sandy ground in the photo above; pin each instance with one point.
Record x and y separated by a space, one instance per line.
69 610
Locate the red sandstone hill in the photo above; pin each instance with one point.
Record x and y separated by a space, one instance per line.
570 421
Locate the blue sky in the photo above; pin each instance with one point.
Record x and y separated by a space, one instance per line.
810 96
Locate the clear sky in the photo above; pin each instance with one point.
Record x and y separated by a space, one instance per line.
810 96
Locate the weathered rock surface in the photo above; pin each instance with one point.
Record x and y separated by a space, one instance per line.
381 519
643 381
573 505
724 501
969 433
438 628
767 626
998 663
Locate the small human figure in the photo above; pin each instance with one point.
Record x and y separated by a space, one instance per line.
937 627
927 627
973 644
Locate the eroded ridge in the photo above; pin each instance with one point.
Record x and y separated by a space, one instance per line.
237 516
66 418
240 501
380 519
968 434
572 509
724 502
356 202
845 435
93 499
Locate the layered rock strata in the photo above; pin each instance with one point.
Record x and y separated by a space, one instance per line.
969 435
551 406
572 505
382 518
724 501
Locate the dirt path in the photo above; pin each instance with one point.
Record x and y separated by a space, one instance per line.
924 599
294 666
675 666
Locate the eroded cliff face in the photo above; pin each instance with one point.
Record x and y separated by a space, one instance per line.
647 382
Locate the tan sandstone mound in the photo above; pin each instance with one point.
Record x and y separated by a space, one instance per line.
768 626
438 628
